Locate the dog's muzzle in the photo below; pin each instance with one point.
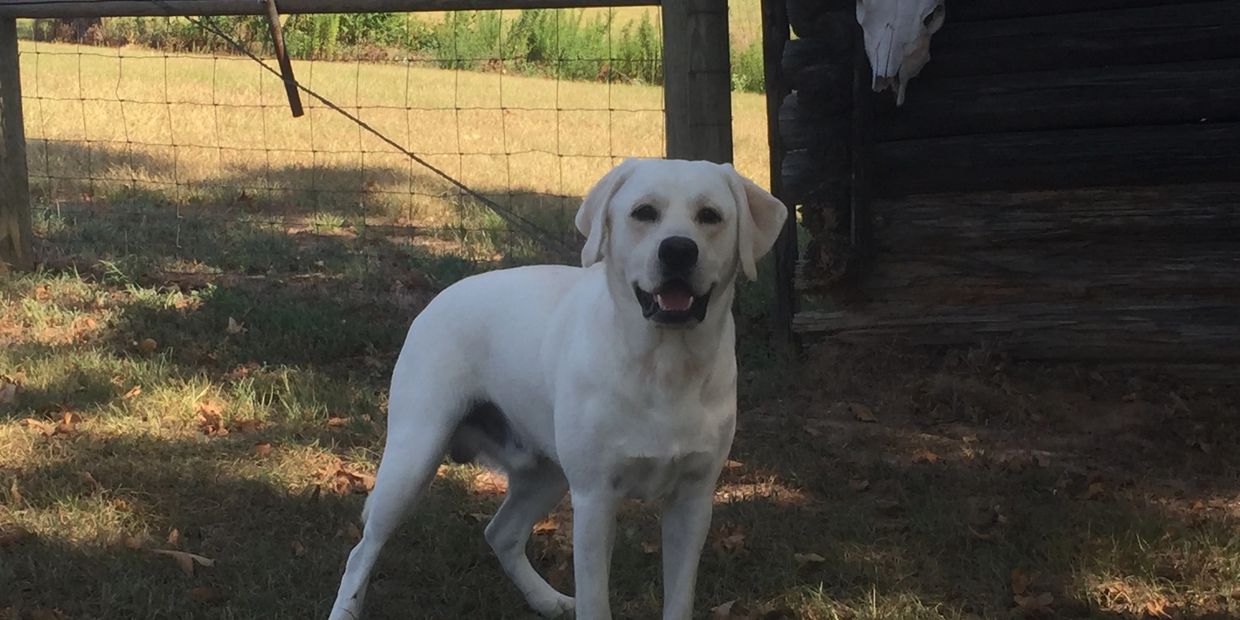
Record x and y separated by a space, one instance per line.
673 303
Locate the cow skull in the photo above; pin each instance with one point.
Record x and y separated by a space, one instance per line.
897 39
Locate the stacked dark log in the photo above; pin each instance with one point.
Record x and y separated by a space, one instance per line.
1063 181
817 129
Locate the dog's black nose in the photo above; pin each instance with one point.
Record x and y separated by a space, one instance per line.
678 253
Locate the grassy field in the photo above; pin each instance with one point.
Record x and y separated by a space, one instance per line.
100 129
199 368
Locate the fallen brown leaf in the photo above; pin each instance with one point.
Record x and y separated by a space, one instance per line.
234 327
729 539
730 464
246 426
39 425
8 393
862 413
650 548
889 506
353 532
1020 581
298 548
723 612
12 535
136 542
858 484
206 595
262 448
68 423
807 559
15 494
1157 607
147 345
334 421
1034 603
546 526
925 456
174 537
185 560
133 391
210 422
353 482
1094 491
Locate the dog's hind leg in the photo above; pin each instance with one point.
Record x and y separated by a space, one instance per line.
420 423
532 493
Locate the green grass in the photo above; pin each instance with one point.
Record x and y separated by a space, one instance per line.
173 303
1100 487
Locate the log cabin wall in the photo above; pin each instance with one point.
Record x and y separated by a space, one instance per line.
1063 180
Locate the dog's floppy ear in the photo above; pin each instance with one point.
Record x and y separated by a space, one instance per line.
761 216
592 215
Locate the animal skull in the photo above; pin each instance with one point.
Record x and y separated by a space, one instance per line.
897 39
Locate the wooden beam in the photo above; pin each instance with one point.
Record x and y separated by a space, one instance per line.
1045 160
15 220
134 8
1158 34
978 10
1125 331
1163 94
697 86
1095 269
1189 214
775 31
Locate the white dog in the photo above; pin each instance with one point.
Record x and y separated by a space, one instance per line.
613 381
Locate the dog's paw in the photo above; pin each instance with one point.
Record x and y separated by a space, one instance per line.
560 607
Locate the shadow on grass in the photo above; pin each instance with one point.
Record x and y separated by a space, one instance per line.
278 545
925 516
322 193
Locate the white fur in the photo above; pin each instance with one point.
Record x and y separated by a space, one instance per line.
605 404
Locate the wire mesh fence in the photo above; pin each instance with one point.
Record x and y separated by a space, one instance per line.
159 126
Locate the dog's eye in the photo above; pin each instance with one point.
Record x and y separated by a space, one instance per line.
708 215
645 213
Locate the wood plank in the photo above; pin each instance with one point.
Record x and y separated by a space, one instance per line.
775 36
1093 270
1188 331
697 90
1191 214
16 233
135 8
1150 94
1045 160
977 10
1159 34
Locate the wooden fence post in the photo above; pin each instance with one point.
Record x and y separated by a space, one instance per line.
697 80
774 37
15 224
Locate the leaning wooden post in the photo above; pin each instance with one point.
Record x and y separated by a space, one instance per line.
15 224
697 80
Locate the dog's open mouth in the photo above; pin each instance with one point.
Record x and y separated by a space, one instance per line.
673 302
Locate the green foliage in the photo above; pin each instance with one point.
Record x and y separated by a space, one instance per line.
748 74
566 44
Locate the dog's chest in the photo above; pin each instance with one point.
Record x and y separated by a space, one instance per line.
655 477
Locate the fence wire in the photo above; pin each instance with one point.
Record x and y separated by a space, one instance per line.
472 147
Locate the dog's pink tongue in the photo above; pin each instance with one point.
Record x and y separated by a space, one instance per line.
676 300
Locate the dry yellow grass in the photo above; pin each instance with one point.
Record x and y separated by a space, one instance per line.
207 128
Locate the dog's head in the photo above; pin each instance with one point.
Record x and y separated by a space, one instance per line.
674 233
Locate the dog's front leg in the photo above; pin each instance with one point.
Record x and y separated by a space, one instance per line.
594 534
686 522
